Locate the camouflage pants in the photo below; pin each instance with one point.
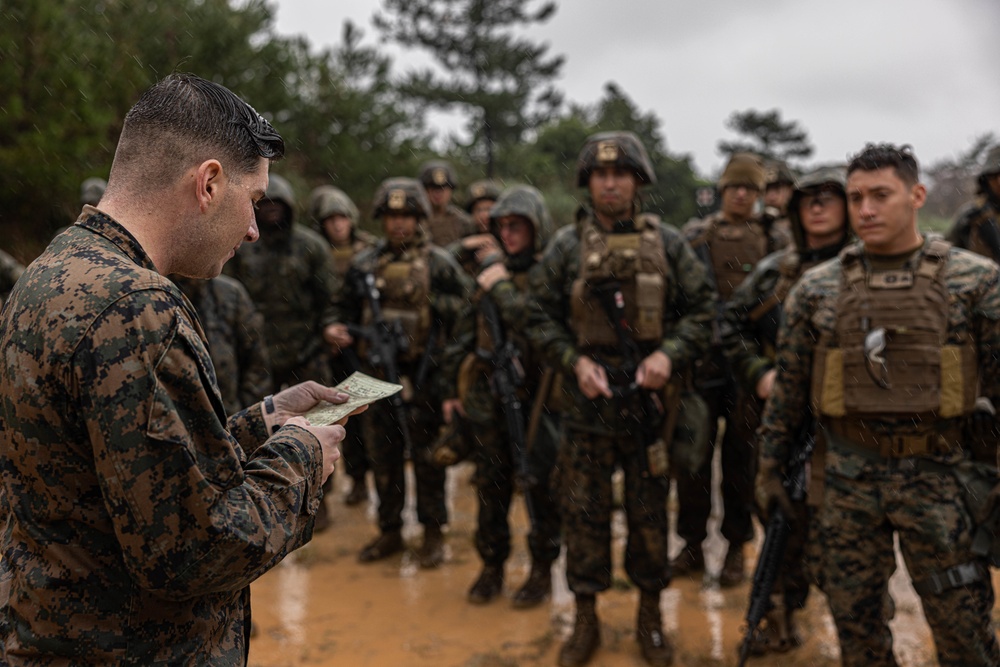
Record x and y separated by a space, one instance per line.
386 453
739 467
495 487
853 546
585 464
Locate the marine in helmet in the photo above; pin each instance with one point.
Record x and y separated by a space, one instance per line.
615 378
481 197
817 211
779 183
520 225
977 226
336 218
729 242
445 223
422 293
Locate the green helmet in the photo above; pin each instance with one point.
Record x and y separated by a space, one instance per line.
401 195
437 173
834 178
527 202
280 190
91 190
480 190
614 149
327 200
743 169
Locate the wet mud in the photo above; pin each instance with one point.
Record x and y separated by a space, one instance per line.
321 607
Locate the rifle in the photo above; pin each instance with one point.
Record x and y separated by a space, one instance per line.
652 449
507 376
386 341
772 553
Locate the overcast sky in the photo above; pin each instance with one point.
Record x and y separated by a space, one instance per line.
924 72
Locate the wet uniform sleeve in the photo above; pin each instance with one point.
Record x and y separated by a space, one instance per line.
547 314
190 516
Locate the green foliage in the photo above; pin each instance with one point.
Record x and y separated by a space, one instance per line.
501 79
767 135
953 182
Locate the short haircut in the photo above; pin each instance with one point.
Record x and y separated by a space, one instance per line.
184 120
880 156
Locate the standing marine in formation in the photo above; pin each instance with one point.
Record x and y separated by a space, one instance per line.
977 226
446 223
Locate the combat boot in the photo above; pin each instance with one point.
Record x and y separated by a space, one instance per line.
431 553
536 589
655 647
358 494
383 546
586 637
732 573
487 586
690 561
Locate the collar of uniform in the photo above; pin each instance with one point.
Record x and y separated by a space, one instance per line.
101 223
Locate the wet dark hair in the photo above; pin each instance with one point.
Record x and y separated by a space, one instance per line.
879 156
184 119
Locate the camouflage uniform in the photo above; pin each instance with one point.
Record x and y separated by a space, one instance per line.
750 329
10 271
446 226
234 329
445 297
327 201
730 251
887 472
291 279
135 515
495 464
982 215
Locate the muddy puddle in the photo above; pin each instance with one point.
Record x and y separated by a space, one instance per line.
321 607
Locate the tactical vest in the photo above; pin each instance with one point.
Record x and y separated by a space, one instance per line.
404 284
923 380
734 250
638 262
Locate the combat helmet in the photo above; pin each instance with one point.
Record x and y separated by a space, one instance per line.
527 202
778 173
743 169
480 190
833 177
91 191
280 190
614 149
401 195
437 173
327 200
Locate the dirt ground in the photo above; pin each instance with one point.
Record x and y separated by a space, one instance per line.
321 607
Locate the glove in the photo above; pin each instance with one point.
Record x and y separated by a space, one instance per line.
769 490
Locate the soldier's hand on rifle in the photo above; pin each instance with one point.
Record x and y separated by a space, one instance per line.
591 378
337 336
765 385
491 275
654 371
449 407
769 490
329 438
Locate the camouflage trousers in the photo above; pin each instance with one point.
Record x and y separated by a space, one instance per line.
739 467
853 551
386 453
585 463
494 479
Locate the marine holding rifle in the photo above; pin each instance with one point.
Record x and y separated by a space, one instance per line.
621 306
504 389
400 299
892 346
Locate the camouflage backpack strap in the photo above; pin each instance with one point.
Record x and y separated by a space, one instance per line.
851 264
934 258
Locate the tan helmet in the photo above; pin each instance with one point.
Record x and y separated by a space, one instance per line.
91 191
401 195
777 173
480 190
327 200
280 190
527 202
614 149
437 173
742 169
